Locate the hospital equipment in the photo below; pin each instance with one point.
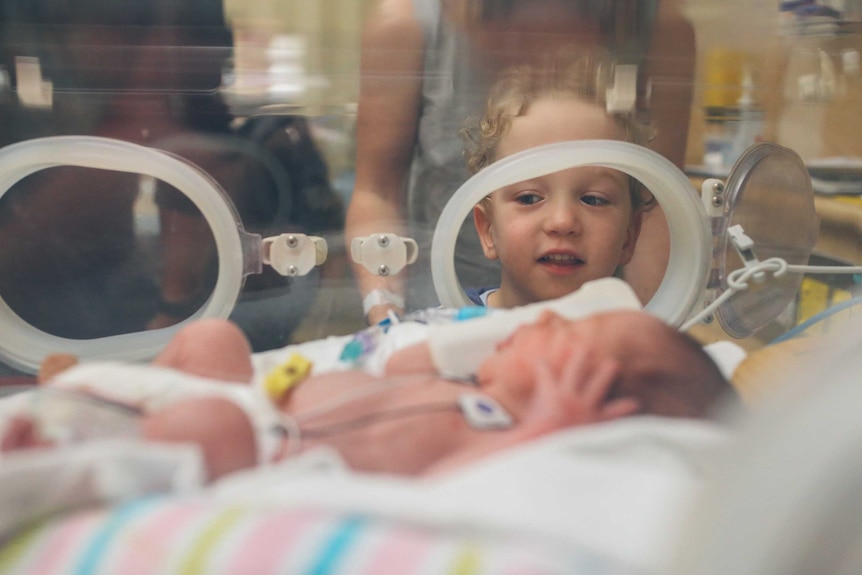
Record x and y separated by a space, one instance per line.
703 270
240 253
714 263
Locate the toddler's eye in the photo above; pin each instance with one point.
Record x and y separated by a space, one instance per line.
528 199
592 200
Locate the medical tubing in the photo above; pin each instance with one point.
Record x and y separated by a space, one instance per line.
690 238
817 318
825 269
23 345
291 430
370 389
367 419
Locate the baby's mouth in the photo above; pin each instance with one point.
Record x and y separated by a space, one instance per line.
561 260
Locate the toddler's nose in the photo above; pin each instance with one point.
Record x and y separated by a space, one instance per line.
563 218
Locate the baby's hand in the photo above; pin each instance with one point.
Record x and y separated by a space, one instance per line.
577 395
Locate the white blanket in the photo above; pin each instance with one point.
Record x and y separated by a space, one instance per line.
621 489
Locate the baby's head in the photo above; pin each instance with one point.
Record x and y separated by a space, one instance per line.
555 232
666 371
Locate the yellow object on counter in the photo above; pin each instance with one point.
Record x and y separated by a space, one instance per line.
286 376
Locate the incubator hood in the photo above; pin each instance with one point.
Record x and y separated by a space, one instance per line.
704 249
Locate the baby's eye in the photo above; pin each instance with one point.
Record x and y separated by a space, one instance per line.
594 200
528 199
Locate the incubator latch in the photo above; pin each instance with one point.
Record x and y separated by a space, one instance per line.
33 90
384 254
744 246
623 96
294 254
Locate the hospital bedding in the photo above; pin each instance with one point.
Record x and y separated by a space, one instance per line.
162 535
602 499
599 499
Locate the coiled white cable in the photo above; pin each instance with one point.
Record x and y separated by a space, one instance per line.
737 281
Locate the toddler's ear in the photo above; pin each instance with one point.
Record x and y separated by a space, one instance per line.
55 364
482 221
632 233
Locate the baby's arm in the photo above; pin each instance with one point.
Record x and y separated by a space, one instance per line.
411 360
577 396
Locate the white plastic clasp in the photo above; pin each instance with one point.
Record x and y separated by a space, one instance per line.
623 96
744 246
294 254
384 254
33 90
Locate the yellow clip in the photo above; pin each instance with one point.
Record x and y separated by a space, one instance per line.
286 376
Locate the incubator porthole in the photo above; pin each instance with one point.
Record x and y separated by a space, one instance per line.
690 240
24 345
768 194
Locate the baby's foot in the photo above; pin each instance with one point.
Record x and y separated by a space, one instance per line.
21 433
55 364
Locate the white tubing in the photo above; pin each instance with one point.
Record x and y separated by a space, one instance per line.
24 346
690 236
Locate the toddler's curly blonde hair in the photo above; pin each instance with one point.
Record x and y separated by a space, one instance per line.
585 77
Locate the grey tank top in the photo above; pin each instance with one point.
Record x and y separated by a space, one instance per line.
452 93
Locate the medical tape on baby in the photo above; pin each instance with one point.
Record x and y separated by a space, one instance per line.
152 388
458 349
71 416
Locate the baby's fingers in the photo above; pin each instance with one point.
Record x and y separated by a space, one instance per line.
617 408
597 385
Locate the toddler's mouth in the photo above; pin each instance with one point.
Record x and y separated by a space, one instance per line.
561 259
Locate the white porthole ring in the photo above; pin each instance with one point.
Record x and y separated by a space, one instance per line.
24 346
690 236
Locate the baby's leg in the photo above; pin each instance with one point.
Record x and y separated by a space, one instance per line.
218 426
213 348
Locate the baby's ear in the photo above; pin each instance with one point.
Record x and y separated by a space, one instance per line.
55 364
482 221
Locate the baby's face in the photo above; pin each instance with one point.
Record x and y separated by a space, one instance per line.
553 233
663 375
511 371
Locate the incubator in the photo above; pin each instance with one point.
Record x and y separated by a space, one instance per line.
164 162
735 252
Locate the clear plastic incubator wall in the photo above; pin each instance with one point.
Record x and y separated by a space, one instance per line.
286 164
332 174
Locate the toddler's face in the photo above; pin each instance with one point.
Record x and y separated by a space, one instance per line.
554 233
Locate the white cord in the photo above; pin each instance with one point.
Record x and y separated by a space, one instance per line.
294 434
368 390
737 281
